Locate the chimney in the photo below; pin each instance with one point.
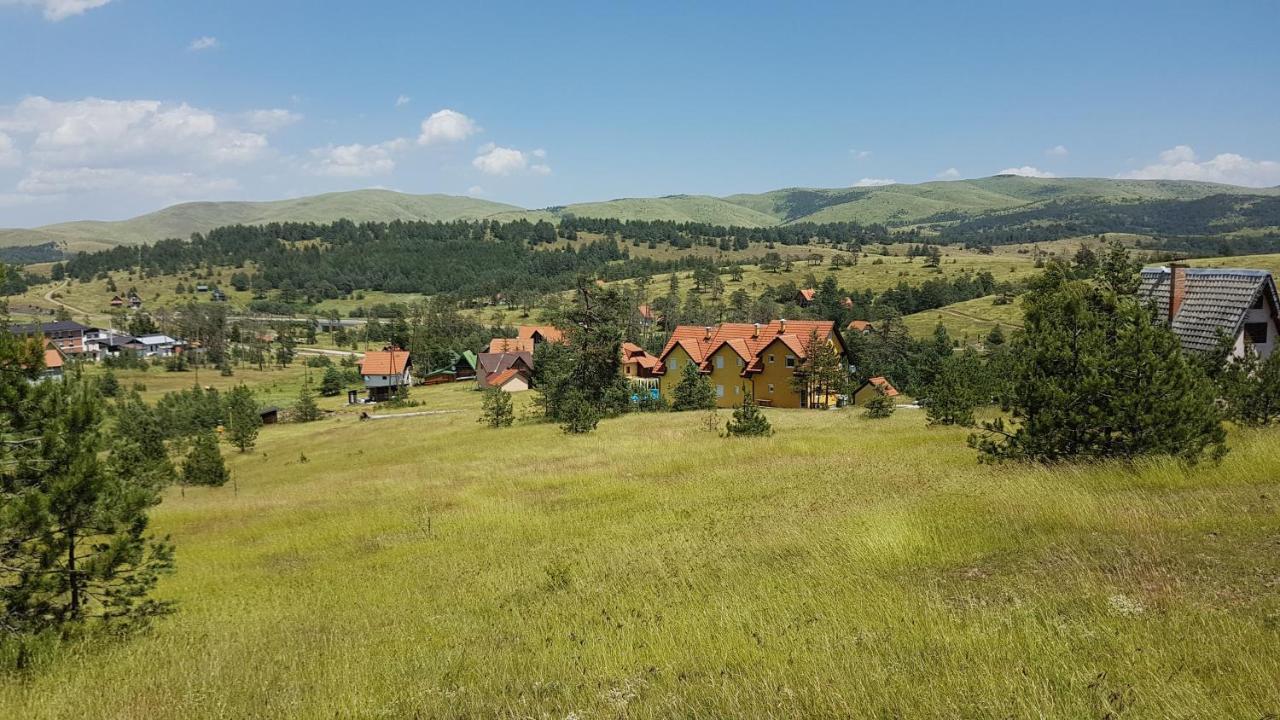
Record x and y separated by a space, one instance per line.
782 326
755 330
708 331
1177 288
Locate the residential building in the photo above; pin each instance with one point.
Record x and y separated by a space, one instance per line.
741 358
510 345
510 380
159 345
1202 305
54 360
490 365
861 326
804 297
637 364
461 367
872 387
67 335
386 373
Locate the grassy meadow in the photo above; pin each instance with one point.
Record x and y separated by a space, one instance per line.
431 567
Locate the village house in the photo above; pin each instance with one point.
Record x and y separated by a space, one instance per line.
135 301
386 373
461 367
861 326
1202 305
67 335
636 363
742 358
510 345
117 301
54 361
804 297
159 345
872 387
510 380
491 365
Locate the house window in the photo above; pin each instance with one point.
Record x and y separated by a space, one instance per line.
674 363
791 361
1256 333
719 391
770 358
739 362
737 389
1257 304
720 362
770 388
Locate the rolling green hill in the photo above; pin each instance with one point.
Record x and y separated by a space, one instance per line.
898 204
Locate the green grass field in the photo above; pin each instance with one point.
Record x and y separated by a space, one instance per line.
430 567
969 321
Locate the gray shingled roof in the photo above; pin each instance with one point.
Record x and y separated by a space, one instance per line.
1216 301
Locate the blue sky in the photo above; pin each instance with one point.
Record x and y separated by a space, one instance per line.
111 108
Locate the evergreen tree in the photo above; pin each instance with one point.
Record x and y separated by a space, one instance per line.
242 418
496 410
138 445
958 388
694 391
748 420
1096 377
331 383
108 384
578 416
305 410
204 464
880 406
1250 387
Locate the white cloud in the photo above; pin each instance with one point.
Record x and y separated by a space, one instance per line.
271 120
1057 151
87 180
10 155
494 160
94 132
475 190
207 42
447 126
948 174
874 182
1027 171
55 10
402 100
354 160
1182 163
860 154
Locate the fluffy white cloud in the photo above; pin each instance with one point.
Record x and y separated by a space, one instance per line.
948 174
93 132
207 42
270 120
447 126
874 182
1057 151
1182 163
1027 171
56 10
89 180
495 160
402 100
475 190
860 154
10 156
354 160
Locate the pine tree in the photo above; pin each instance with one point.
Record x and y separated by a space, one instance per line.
306 410
995 337
880 406
578 417
204 464
1095 377
1250 386
243 419
108 384
694 391
331 383
748 420
496 409
956 390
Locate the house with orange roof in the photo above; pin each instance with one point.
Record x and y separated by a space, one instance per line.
386 373
512 345
877 385
637 364
742 358
861 326
804 297
490 366
514 379
540 333
54 359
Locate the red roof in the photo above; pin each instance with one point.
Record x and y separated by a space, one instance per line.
885 387
861 326
746 340
501 378
550 333
807 294
384 362
646 312
501 345
52 358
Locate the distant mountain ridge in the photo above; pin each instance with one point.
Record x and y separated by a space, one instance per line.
897 204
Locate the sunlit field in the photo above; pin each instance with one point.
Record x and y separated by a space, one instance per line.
431 567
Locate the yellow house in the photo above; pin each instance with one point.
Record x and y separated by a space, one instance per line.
742 358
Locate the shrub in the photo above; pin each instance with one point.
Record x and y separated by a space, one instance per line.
496 411
577 415
880 406
748 420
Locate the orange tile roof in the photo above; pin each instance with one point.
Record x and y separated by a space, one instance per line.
861 325
384 362
501 345
550 333
646 312
807 294
52 358
701 342
501 378
884 386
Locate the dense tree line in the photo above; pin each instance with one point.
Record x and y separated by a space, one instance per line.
688 234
